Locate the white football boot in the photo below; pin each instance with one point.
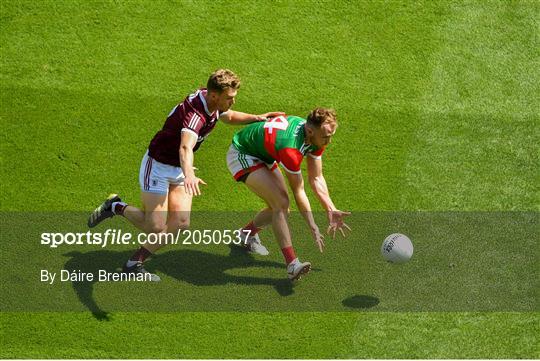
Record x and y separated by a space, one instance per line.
138 268
297 269
253 245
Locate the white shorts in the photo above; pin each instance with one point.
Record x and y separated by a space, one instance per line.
240 164
155 177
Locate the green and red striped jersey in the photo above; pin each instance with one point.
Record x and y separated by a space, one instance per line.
280 139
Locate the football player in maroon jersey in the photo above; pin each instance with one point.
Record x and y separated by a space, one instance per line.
167 178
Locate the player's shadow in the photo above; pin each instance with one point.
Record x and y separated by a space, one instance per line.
192 266
92 262
360 301
208 269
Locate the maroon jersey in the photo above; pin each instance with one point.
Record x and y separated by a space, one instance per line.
192 116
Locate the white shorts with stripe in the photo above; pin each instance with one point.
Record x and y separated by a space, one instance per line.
155 177
240 164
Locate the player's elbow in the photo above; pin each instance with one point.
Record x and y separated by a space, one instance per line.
185 149
226 117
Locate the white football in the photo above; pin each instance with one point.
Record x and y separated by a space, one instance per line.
397 248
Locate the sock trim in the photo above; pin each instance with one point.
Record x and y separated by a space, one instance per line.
118 207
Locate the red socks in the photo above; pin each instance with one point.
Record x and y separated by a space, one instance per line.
288 253
251 227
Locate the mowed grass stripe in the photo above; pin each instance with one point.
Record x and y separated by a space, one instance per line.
272 335
476 147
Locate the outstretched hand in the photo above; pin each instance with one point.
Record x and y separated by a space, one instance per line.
191 184
264 117
335 223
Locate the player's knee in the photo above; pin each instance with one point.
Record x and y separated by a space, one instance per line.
184 223
178 221
281 204
155 226
180 224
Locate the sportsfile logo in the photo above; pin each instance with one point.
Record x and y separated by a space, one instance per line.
119 237
109 237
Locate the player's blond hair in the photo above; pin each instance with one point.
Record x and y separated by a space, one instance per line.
222 79
320 116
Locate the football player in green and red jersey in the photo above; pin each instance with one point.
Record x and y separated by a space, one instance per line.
253 158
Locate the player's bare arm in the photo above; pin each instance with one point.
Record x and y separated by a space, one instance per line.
296 181
234 117
191 182
318 184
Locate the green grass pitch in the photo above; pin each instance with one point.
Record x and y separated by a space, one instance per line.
438 109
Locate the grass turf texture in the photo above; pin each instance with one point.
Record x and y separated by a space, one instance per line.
438 109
